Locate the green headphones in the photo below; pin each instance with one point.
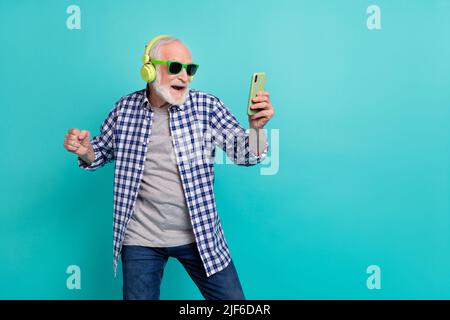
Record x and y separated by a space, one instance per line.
148 71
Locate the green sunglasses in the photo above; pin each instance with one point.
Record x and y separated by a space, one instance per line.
175 67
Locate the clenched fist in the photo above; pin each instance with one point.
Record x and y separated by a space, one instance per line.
78 142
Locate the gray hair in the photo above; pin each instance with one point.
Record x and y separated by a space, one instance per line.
156 48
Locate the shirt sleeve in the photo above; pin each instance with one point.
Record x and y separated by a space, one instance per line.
103 144
231 137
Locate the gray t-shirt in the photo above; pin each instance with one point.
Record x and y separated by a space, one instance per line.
161 217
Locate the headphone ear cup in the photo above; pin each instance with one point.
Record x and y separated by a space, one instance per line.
148 72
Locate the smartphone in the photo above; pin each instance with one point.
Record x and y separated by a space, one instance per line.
257 84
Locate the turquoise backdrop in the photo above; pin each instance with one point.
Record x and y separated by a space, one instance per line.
363 119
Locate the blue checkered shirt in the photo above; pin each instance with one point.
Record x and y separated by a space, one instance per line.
197 126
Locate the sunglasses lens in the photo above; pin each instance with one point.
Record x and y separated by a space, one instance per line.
175 67
191 69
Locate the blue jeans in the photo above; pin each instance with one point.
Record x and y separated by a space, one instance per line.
143 269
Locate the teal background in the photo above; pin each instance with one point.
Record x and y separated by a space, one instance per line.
363 118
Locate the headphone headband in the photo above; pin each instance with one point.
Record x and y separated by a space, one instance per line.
150 44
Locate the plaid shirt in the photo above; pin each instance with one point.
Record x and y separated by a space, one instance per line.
196 126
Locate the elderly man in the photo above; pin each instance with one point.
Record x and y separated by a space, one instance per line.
163 140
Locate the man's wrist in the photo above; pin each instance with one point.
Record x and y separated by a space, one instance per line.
89 157
257 140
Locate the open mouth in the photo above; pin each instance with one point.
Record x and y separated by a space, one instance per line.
178 88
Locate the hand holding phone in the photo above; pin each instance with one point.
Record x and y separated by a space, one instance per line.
257 84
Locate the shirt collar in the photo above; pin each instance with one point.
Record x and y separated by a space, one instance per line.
146 104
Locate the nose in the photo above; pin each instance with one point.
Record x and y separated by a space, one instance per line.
183 76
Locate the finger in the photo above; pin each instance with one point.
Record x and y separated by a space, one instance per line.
258 115
261 105
73 139
69 145
262 94
260 99
74 131
73 143
71 148
71 136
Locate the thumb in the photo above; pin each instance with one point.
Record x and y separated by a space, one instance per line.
84 135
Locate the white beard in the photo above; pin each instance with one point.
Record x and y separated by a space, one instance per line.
164 92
